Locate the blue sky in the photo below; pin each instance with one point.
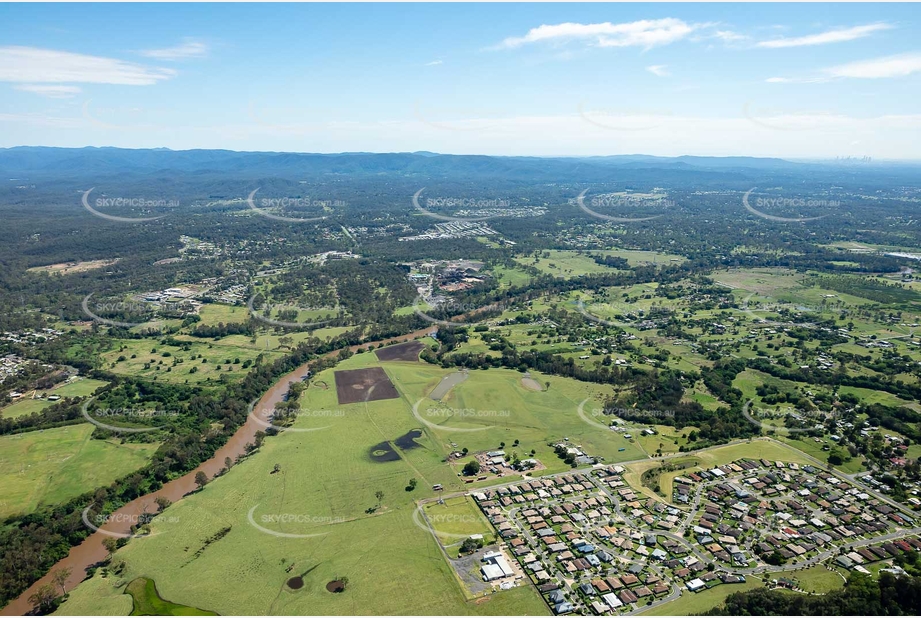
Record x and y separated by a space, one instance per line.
790 80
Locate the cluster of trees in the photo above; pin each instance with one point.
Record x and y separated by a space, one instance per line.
216 331
65 412
890 595
565 455
812 375
611 261
870 288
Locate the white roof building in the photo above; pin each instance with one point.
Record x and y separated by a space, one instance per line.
612 600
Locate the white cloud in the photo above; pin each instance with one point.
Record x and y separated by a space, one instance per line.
433 63
35 65
830 36
644 33
728 36
797 80
34 119
188 49
52 91
877 68
660 70
890 66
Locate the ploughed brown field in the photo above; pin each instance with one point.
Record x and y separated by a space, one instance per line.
357 385
408 351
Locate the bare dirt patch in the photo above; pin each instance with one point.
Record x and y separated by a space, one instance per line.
408 351
531 384
67 268
335 586
358 385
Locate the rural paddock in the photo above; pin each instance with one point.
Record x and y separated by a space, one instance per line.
358 385
408 351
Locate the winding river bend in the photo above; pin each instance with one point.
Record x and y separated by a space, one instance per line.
91 550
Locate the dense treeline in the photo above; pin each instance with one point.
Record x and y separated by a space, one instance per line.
812 375
216 331
890 595
64 412
871 289
655 398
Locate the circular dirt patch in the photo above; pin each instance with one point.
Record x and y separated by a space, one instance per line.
296 583
321 384
335 586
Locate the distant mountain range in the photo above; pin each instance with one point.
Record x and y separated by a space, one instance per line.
28 162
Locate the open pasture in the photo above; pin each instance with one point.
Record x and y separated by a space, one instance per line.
320 517
172 363
54 465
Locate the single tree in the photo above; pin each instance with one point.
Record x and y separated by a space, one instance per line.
162 503
111 544
43 599
471 468
201 479
59 577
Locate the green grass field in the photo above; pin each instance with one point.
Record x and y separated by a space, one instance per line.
813 448
146 601
326 486
512 412
755 449
98 596
24 407
47 467
138 353
456 519
666 437
569 263
817 579
83 387
511 277
566 264
691 603
870 396
213 314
